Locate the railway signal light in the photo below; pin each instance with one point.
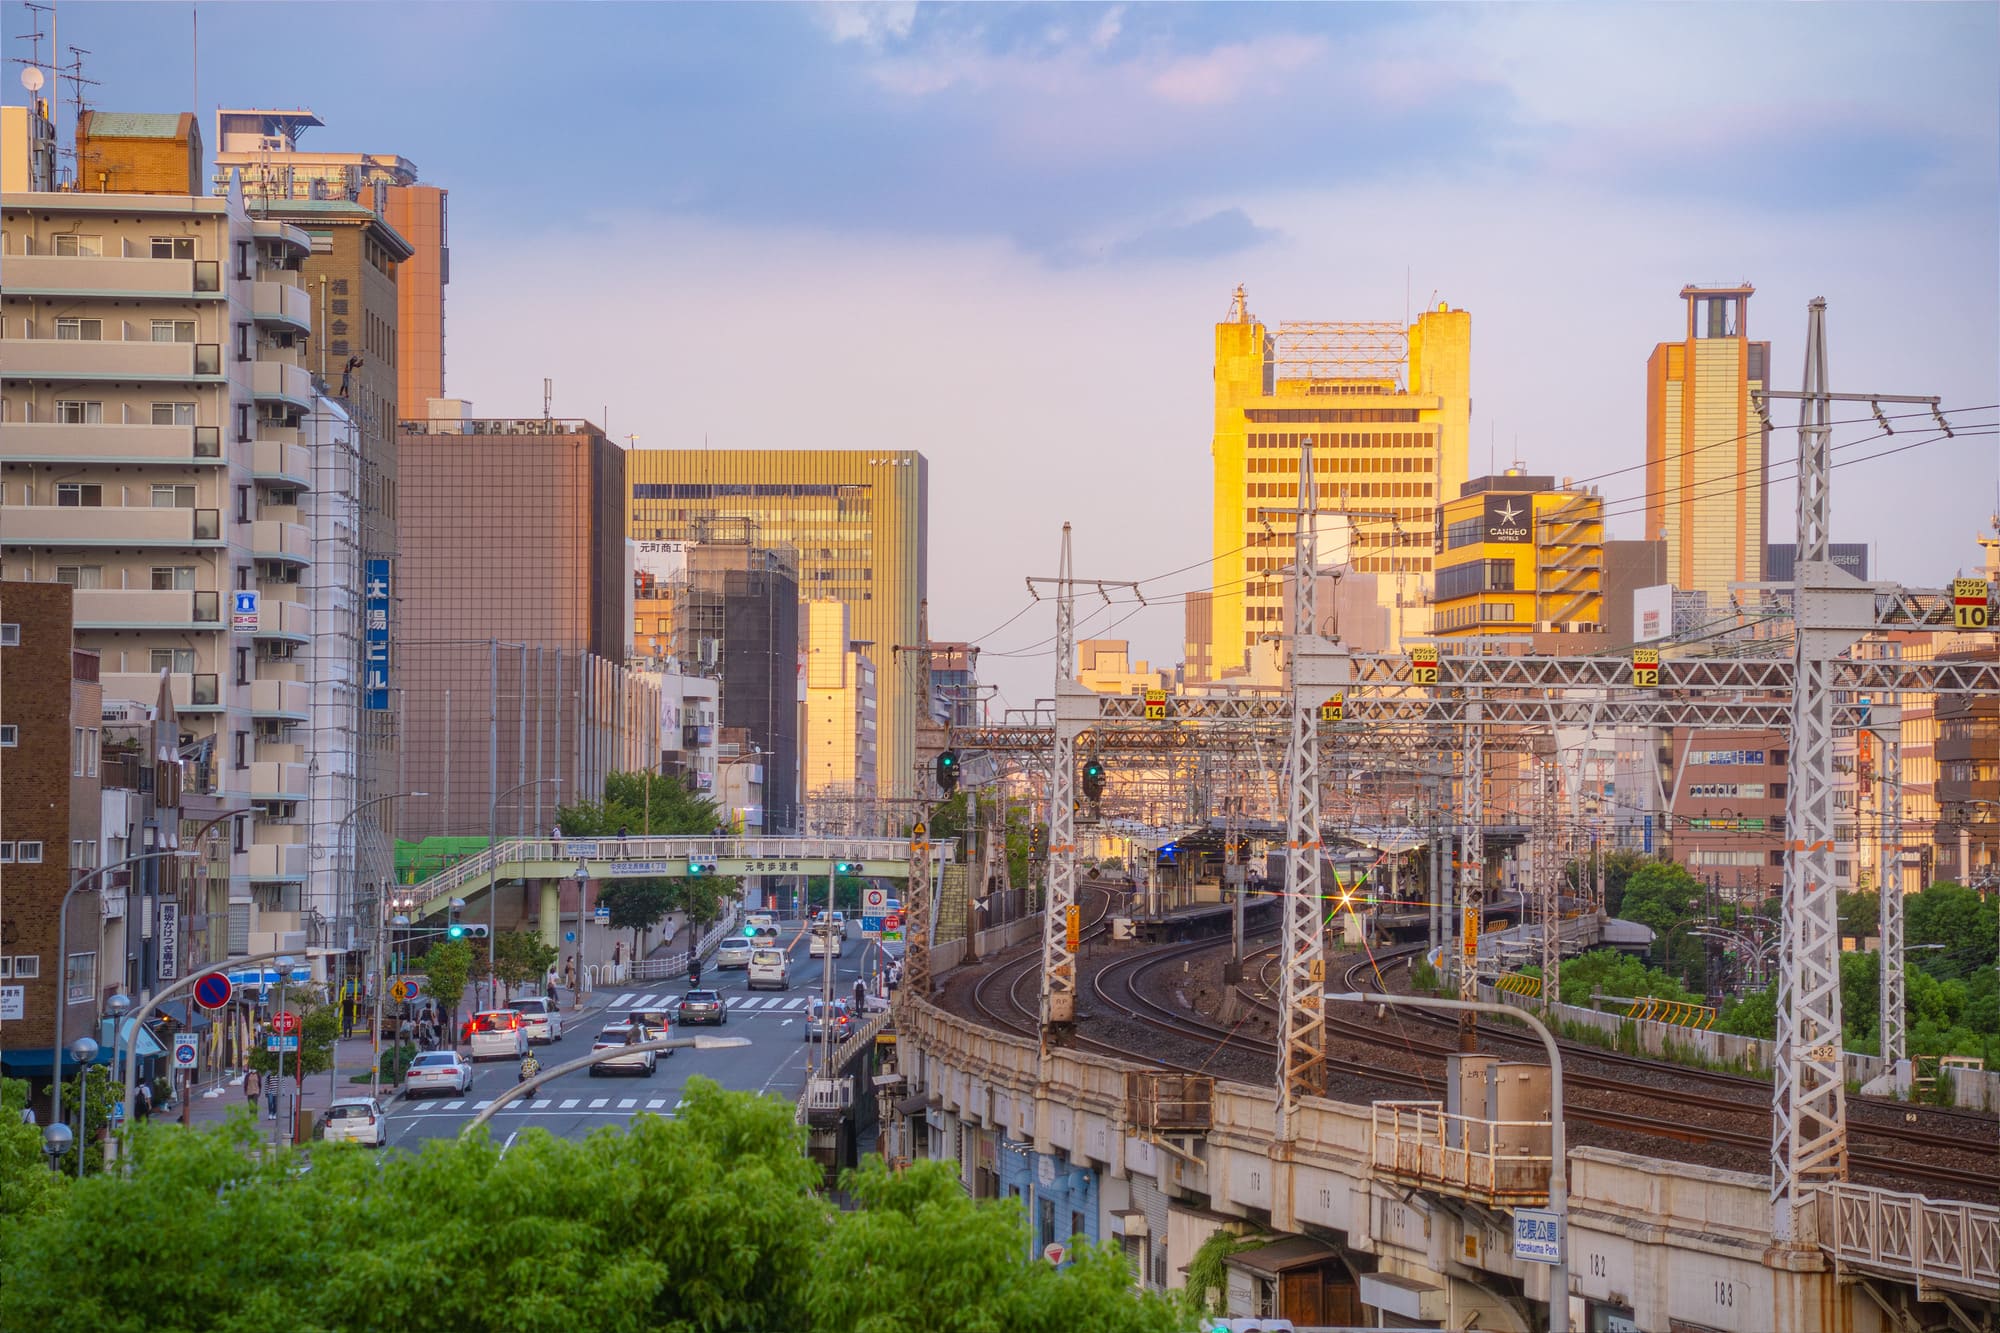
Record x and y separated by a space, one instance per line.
947 771
1093 777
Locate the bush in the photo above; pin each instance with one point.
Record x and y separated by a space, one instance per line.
396 1062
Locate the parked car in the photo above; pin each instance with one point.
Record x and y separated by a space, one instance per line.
642 1063
769 968
436 1072
542 1020
703 1006
733 953
355 1120
824 1020
497 1034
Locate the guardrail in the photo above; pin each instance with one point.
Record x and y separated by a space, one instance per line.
857 1041
1423 1144
660 969
1945 1243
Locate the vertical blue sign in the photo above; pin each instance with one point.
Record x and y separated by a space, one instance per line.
1649 835
375 655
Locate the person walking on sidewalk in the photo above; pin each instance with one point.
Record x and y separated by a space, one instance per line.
253 1083
271 1097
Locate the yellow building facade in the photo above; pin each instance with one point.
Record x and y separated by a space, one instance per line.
857 522
1387 409
837 753
1521 556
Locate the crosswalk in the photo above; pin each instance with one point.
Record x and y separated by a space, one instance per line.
740 1004
630 1105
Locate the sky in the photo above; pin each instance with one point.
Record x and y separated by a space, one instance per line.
1002 234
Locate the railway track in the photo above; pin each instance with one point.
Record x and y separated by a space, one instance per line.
1128 987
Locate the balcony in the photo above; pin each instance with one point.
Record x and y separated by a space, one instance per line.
126 525
270 229
111 276
141 608
275 381
280 698
275 460
49 442
276 861
283 620
273 540
200 691
278 781
127 361
281 303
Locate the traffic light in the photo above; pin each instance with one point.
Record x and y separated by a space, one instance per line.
1093 777
697 868
947 771
459 930
846 867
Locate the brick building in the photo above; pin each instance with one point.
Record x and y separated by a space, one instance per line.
123 152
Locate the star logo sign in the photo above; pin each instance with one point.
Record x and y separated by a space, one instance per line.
1509 515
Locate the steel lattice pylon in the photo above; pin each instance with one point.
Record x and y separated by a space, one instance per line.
1890 891
917 914
1548 877
1472 861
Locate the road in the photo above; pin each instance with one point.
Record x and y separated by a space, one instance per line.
569 1107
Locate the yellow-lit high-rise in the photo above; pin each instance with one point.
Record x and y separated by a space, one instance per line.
1387 409
858 523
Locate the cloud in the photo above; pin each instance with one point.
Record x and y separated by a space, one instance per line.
1225 232
872 23
1222 75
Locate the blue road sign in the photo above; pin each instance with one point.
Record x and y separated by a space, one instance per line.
871 923
212 990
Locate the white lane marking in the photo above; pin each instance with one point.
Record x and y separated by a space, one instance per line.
623 1000
451 1106
599 1101
647 1001
541 1105
784 1022
679 1104
483 1105
570 1103
627 1103
793 1004
656 1103
509 1143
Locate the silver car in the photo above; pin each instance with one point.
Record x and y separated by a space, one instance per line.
733 953
438 1072
540 1019
619 1035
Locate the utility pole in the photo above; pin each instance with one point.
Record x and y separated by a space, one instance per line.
1075 710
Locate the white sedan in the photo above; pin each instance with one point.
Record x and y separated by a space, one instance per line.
438 1072
615 1037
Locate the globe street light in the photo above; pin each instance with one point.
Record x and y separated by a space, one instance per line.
116 1008
84 1051
55 1142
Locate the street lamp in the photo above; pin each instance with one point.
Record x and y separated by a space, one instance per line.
398 921
117 1007
1558 1141
55 1142
522 1089
493 849
62 957
582 928
84 1051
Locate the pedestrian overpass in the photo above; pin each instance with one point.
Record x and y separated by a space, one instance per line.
552 859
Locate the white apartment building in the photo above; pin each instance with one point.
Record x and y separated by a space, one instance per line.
164 450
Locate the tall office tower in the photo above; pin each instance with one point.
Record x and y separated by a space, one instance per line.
515 621
1387 409
264 147
166 453
955 684
858 523
838 748
1707 449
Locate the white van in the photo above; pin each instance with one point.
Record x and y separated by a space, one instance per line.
824 941
768 968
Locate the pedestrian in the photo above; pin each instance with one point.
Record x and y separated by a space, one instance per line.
622 833
142 1101
271 1097
27 1115
253 1083
860 996
555 831
549 982
569 971
617 952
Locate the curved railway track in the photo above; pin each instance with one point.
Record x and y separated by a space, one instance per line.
1129 987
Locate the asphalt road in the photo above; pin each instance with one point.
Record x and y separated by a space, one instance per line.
570 1107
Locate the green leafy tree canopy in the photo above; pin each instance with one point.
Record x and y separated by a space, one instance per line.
319 1029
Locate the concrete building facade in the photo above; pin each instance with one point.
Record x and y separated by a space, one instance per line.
1521 555
1707 450
1387 409
858 523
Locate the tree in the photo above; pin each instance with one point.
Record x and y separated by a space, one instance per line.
1659 894
935 1259
1618 868
319 1029
447 969
1860 915
28 1189
636 904
648 803
521 959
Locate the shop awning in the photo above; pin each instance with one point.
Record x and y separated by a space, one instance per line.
148 1045
915 1103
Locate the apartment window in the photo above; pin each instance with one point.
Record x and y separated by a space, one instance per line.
170 496
28 853
242 504
173 414
10 735
173 578
80 246
80 977
71 330
173 247
180 661
173 330
76 412
79 495
242 666
27 966
243 422
10 635
242 748
81 576
6 853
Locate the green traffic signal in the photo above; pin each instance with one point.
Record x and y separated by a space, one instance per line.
456 931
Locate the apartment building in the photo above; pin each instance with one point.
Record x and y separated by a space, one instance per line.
838 746
1387 409
159 455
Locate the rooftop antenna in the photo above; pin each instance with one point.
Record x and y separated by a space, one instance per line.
77 83
33 61
548 396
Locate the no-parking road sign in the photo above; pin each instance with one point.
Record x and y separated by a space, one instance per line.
212 991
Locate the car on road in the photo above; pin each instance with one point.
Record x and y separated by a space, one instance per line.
824 942
438 1072
838 921
703 1006
769 968
355 1120
542 1019
653 1022
733 954
619 1035
824 1020
497 1034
